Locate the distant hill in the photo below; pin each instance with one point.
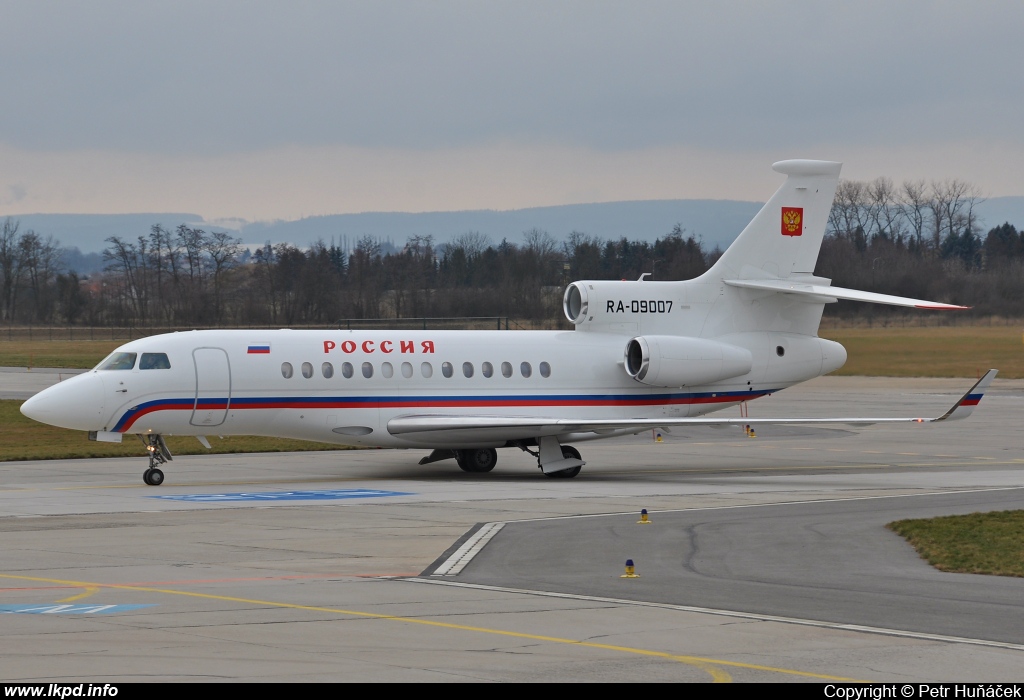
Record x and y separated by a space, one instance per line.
715 222
87 232
999 210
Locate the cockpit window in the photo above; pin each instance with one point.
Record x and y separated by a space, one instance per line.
119 360
154 360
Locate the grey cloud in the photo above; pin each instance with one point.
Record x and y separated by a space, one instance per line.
239 76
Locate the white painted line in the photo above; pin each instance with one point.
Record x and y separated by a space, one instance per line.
735 614
464 554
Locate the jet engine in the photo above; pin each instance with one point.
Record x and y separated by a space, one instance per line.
672 361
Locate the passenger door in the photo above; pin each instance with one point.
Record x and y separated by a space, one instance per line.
213 387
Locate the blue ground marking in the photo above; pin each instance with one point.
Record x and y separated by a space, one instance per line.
317 495
68 609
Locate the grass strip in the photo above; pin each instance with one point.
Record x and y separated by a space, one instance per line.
979 543
947 351
25 439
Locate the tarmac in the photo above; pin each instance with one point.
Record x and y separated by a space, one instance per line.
766 559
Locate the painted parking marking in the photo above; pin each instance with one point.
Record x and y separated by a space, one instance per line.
70 609
311 495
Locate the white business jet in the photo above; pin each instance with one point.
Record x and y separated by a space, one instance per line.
643 355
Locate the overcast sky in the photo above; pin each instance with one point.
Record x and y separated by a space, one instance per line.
280 110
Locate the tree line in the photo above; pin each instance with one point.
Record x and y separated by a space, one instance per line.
918 239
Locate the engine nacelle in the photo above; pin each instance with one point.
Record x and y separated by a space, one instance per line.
673 361
600 302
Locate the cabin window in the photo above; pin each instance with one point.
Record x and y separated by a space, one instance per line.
545 370
286 370
427 370
154 360
346 370
487 369
119 360
406 370
327 369
447 370
467 369
307 370
367 370
387 370
506 369
525 369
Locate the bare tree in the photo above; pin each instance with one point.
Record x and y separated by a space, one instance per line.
913 204
10 265
223 249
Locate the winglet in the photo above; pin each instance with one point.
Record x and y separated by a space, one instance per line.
965 406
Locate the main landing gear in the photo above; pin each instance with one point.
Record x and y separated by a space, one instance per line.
478 461
568 452
555 460
158 454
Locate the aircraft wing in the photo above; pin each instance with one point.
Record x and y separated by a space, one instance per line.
521 427
823 292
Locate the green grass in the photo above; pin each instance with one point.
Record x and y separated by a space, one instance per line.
961 351
979 543
79 354
24 439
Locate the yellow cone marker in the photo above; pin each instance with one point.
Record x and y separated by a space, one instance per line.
630 570
643 518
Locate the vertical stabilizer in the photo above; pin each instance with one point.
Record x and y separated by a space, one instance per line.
785 237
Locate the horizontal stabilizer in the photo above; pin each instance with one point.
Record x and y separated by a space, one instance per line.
821 292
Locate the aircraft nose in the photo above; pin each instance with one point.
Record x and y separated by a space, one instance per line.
75 403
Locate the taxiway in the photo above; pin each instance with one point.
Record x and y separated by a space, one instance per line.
767 558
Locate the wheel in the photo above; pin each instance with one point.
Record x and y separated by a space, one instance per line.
568 453
477 461
153 477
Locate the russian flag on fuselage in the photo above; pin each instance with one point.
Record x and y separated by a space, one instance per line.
259 349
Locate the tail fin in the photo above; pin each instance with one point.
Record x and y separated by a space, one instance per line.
785 237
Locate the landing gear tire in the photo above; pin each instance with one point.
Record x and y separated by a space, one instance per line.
158 454
477 461
568 453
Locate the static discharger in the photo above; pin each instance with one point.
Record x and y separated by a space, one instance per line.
643 518
630 570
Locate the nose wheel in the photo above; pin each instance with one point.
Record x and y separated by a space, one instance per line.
158 454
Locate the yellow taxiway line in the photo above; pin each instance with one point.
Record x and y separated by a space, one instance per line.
708 665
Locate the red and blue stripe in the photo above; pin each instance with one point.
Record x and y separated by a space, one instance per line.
971 400
432 402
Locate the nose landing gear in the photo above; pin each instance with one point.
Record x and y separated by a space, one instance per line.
158 454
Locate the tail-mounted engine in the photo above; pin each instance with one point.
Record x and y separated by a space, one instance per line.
672 361
599 304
